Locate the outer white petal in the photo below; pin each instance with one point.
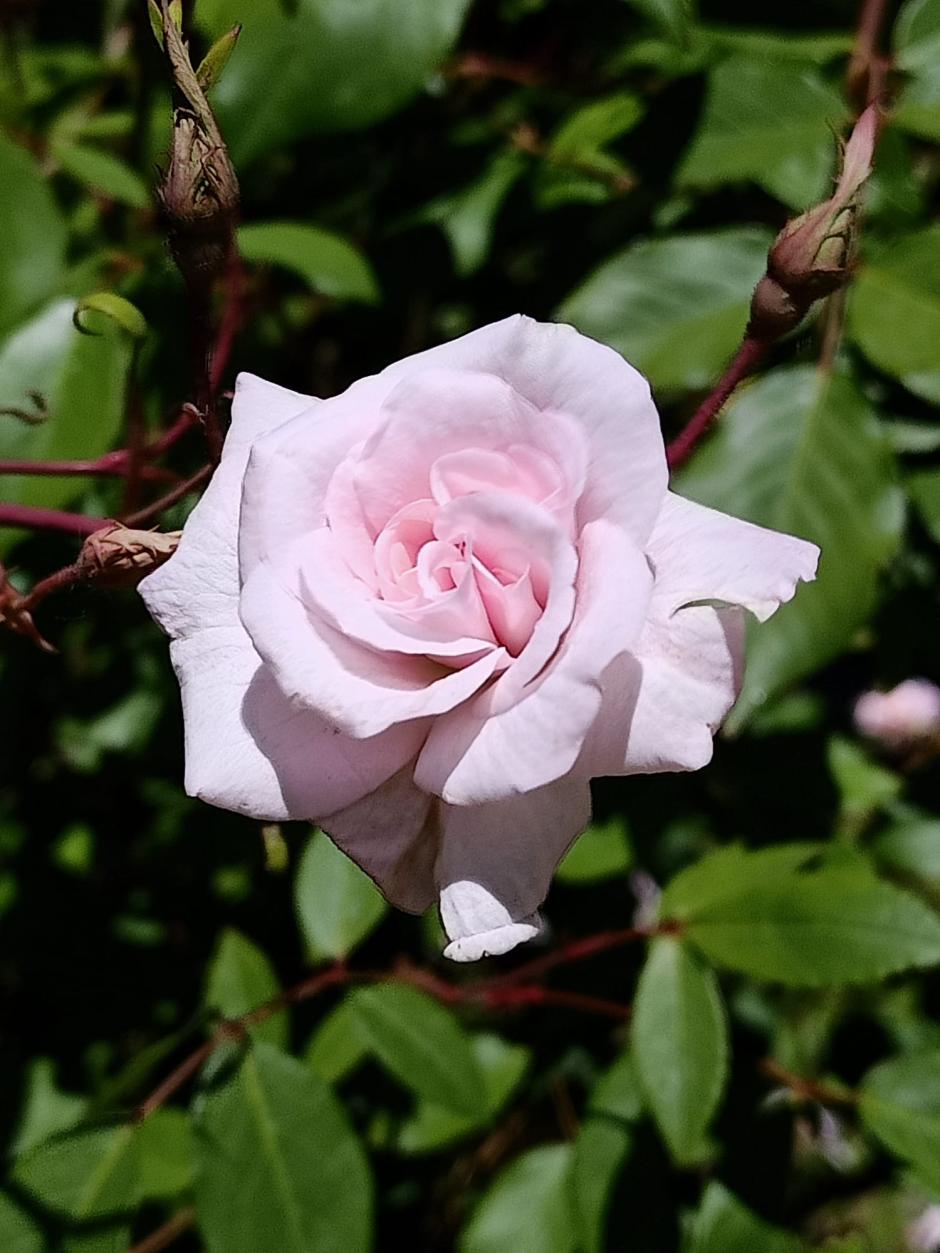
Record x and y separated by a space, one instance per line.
699 554
247 748
664 702
496 864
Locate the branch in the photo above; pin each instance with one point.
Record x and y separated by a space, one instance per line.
32 518
807 1089
751 352
164 1236
492 994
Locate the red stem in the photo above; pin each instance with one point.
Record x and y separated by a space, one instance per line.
33 518
751 351
113 463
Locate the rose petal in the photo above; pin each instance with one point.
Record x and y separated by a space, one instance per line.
393 834
662 706
474 756
436 414
496 864
247 749
699 554
359 691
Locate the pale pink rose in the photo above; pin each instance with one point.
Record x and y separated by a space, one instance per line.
901 718
426 612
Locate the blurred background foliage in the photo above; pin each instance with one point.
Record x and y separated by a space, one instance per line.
411 169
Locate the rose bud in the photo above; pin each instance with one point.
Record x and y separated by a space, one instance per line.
813 254
118 556
199 196
902 718
424 613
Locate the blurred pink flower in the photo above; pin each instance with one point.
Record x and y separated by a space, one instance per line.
901 718
426 612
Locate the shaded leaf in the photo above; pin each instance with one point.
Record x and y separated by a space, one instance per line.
421 1044
894 310
32 259
601 852
324 65
86 1173
528 1209
805 454
18 1232
104 173
766 122
277 1164
675 308
900 1104
724 1225
240 979
680 1043
432 1127
325 261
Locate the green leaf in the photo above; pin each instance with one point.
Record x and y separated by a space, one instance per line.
916 34
120 311
421 1044
46 1109
593 126
602 852
81 381
240 979
33 231
923 487
708 879
99 1240
804 453
213 64
834 925
600 1152
900 1104
724 1225
675 308
324 65
766 122
433 1127
87 1173
277 1164
325 261
338 1045
864 785
674 16
164 1154
617 1094
528 1209
894 310
680 1043
338 905
917 50
467 216
18 1232
104 173
911 847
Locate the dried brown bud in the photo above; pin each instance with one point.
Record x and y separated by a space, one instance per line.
118 556
199 195
813 254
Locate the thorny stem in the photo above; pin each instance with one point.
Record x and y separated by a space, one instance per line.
749 355
491 994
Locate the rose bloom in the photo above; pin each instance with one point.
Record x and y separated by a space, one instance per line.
901 718
426 612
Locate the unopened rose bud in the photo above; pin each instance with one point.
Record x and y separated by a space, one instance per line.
814 253
902 718
119 556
